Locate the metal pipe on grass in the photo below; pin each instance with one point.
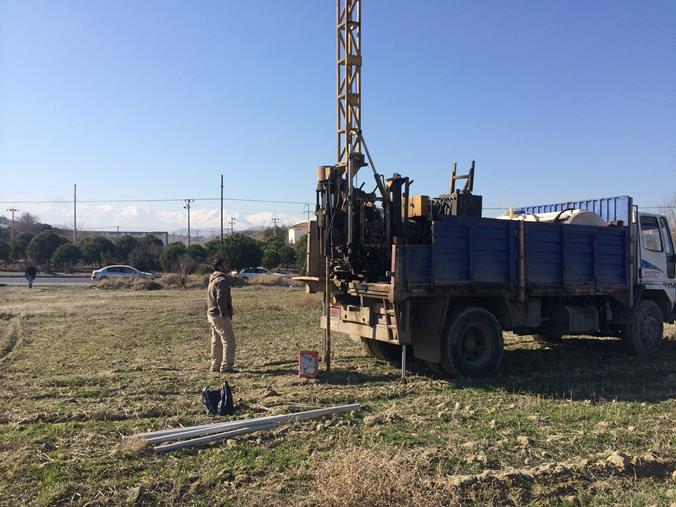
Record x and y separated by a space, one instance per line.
211 438
181 435
178 433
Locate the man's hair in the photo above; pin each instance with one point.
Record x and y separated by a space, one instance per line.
219 262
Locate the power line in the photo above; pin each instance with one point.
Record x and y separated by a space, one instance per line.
639 207
236 199
112 201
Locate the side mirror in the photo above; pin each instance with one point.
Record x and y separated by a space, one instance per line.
671 266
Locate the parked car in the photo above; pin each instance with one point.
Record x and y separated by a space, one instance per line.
249 273
120 272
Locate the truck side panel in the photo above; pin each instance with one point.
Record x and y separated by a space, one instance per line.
483 253
575 255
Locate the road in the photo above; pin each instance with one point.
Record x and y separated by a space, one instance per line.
46 280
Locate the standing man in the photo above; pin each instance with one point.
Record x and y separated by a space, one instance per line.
219 314
30 275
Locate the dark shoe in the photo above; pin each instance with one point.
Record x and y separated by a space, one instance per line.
229 369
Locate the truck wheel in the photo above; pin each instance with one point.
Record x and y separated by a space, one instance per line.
547 338
381 350
644 335
472 343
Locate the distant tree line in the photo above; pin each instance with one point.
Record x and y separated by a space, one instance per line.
51 249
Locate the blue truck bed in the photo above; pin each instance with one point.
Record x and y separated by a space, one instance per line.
484 253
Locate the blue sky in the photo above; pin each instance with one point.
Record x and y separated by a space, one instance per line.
555 100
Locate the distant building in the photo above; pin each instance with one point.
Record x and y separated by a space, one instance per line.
297 231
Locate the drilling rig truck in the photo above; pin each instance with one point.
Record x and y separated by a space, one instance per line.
433 275
403 272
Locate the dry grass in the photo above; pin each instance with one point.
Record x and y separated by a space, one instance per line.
132 446
177 281
273 281
378 478
196 281
127 283
412 477
172 280
82 368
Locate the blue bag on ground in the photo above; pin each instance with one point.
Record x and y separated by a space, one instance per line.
218 401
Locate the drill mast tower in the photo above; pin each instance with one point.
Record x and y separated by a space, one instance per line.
348 88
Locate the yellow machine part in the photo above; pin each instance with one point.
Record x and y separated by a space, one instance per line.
418 206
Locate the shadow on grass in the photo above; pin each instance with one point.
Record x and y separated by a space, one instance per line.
337 376
584 369
577 369
345 377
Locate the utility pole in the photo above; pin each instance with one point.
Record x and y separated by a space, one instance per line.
307 213
274 221
232 226
187 206
75 214
12 211
222 246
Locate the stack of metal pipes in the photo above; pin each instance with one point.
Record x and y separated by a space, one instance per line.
191 436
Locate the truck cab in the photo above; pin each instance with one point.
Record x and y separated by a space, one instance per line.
657 262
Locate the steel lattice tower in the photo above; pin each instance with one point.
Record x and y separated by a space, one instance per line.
348 30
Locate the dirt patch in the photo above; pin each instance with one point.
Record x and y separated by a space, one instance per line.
9 334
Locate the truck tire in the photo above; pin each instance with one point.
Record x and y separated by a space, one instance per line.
473 343
381 350
644 336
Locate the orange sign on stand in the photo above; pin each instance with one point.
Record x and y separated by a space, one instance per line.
308 361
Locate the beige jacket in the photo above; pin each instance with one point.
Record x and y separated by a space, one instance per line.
219 301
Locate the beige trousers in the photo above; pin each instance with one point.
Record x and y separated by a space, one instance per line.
222 343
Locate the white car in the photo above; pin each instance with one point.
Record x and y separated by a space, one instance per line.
120 272
250 273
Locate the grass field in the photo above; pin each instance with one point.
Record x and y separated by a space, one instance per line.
578 424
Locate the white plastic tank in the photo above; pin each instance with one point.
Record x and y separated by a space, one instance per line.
572 216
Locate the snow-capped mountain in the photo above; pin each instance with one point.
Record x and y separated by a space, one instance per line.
165 218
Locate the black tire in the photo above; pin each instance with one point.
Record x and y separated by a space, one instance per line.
103 278
382 350
644 336
548 338
473 343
